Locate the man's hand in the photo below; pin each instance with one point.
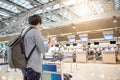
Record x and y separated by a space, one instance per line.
52 41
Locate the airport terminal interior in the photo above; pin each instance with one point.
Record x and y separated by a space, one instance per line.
86 33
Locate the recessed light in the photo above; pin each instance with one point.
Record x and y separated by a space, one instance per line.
74 27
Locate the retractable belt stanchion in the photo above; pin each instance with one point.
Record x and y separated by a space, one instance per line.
76 64
61 70
71 67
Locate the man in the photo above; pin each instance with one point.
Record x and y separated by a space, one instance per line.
32 38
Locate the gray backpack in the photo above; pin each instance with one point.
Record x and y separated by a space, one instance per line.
16 52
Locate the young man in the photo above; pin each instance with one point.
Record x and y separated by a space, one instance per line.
32 38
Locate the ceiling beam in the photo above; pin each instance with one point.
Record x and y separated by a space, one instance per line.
33 2
85 19
8 12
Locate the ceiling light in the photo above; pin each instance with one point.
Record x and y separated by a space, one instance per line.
65 34
114 21
74 27
83 10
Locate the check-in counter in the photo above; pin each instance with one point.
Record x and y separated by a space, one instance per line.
81 56
118 56
108 57
68 59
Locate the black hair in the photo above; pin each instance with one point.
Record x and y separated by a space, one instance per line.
35 19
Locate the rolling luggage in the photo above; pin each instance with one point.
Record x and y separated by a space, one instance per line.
67 76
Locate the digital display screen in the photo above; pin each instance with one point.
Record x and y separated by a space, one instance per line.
72 40
46 41
84 39
108 37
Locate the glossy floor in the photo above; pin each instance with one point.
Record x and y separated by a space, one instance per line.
81 71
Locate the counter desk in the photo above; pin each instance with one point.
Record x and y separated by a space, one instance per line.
108 57
81 56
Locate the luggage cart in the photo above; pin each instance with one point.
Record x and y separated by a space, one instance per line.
53 68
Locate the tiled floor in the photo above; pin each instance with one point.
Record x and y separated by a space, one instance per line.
81 71
91 71
9 74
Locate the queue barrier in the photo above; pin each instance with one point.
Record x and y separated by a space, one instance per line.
3 63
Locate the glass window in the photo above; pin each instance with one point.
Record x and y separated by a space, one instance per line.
24 3
9 7
4 5
48 8
117 4
7 24
1 3
4 14
99 9
38 12
53 18
43 1
66 15
57 6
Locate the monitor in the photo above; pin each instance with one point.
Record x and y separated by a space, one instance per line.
84 39
72 40
67 44
109 37
89 43
112 42
57 45
46 41
74 44
96 43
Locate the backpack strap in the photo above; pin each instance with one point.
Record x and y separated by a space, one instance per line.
27 31
31 53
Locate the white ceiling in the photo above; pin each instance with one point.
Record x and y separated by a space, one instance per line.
54 13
